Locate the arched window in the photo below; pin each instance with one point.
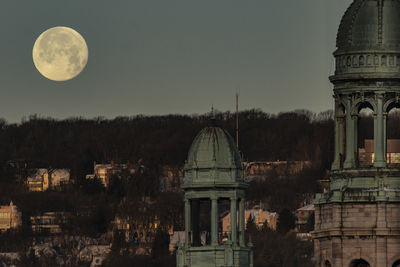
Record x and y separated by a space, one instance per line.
200 220
391 60
361 60
365 135
355 61
369 60
327 264
392 148
396 263
376 60
359 263
383 61
223 225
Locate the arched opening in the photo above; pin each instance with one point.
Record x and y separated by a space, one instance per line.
355 61
391 60
392 148
200 220
327 264
383 60
224 228
365 135
369 60
359 263
396 263
376 60
361 60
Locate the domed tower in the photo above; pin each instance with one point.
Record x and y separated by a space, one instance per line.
214 186
357 222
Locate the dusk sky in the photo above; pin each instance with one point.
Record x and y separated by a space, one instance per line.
158 57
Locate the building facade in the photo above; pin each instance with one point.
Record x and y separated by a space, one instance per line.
261 217
357 221
213 176
104 172
49 222
10 217
44 179
366 154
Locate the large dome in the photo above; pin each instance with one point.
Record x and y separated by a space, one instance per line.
370 25
213 159
368 41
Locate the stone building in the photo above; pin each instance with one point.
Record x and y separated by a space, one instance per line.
213 181
357 221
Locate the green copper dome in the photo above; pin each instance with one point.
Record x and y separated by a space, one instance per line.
213 160
370 25
368 41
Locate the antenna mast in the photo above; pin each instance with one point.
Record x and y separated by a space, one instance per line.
237 120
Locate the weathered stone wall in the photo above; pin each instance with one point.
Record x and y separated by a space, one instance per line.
349 231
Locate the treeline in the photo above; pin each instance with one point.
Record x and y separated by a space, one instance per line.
155 141
76 143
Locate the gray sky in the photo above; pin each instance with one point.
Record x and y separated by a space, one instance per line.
175 56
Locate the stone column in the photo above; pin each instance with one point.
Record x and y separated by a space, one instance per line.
242 222
342 136
385 116
214 221
233 221
355 139
187 222
379 138
350 161
336 161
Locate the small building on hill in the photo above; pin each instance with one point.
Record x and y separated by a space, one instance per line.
10 217
43 179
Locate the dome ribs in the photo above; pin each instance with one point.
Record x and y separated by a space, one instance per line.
380 22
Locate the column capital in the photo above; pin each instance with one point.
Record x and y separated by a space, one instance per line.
214 197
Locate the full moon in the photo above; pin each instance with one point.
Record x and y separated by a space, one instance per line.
60 53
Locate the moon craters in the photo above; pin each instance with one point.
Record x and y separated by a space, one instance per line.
60 53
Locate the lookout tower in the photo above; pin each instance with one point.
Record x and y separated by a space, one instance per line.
214 185
357 222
